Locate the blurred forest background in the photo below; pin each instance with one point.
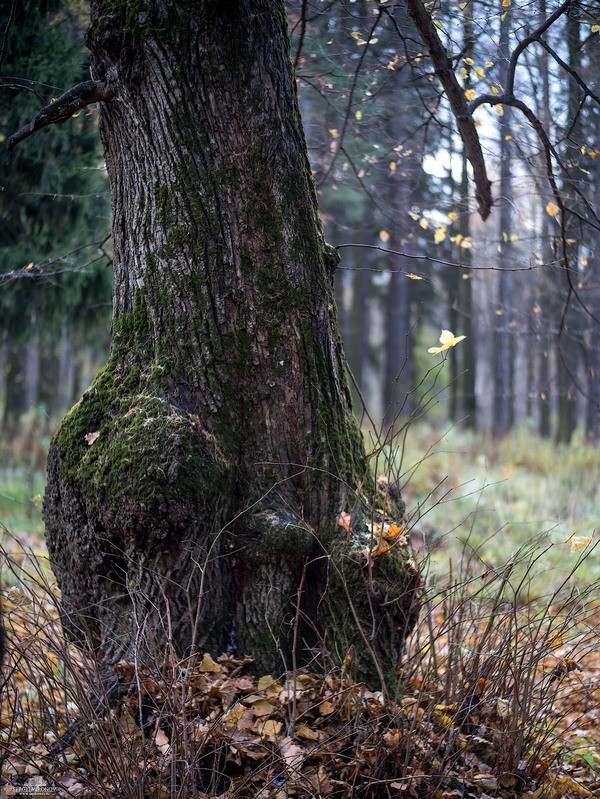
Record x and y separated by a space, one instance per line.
396 197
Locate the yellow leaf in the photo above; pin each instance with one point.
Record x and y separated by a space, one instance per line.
303 731
469 61
480 72
500 110
333 132
579 542
552 209
447 340
584 260
508 137
495 90
412 276
262 708
439 235
326 708
463 72
384 235
392 531
595 28
453 216
470 94
264 682
270 729
208 665
423 223
506 3
233 715
488 64
358 115
392 166
380 549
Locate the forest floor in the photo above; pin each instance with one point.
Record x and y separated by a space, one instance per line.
500 687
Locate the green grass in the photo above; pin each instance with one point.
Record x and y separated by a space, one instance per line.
502 497
20 504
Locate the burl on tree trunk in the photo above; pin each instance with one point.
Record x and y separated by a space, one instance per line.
194 491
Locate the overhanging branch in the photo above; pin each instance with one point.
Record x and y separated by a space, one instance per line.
458 103
72 101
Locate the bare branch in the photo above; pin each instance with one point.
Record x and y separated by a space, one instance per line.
465 123
429 258
533 37
72 101
57 266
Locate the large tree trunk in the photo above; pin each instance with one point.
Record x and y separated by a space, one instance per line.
193 492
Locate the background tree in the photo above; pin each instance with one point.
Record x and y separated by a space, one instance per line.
54 199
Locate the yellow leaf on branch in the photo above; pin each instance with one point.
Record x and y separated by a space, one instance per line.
579 542
447 340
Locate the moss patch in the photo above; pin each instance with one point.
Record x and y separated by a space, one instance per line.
124 444
372 601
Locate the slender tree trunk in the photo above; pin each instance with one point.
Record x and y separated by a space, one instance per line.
196 487
592 414
466 306
545 310
570 342
503 350
398 371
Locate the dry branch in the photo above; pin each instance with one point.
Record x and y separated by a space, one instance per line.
454 92
68 104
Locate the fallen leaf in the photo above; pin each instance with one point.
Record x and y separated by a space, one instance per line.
208 665
292 754
233 715
162 742
91 437
325 708
270 729
303 731
345 522
262 708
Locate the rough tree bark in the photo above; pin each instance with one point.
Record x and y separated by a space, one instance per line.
193 493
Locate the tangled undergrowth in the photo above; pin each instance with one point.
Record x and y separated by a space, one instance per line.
496 698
